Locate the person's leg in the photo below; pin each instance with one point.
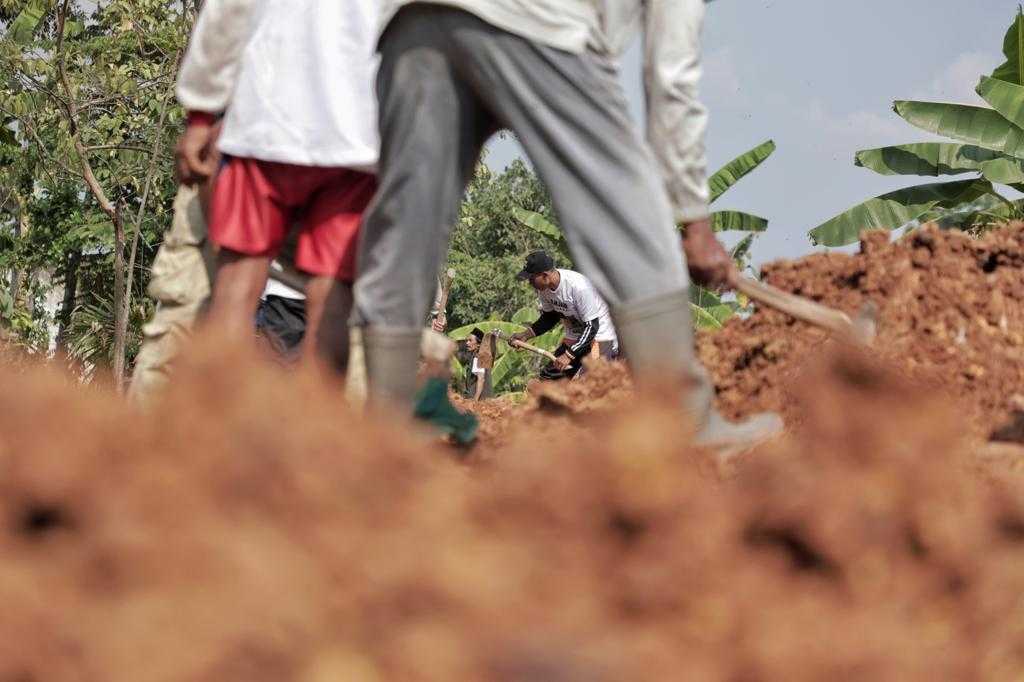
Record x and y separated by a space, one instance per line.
328 308
240 281
570 114
607 350
327 249
432 129
248 220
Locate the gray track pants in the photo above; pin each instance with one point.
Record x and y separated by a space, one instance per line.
447 81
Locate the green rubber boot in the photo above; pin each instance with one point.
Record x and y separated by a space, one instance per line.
433 406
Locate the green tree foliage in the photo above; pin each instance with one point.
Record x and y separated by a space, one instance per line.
990 145
489 244
89 121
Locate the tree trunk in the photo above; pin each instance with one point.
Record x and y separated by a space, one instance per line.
67 305
30 299
16 273
120 302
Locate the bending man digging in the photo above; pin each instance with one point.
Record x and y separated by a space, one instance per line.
567 296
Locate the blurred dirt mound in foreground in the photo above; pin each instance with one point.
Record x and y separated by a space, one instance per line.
254 530
951 316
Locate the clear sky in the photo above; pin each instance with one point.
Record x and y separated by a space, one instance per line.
819 77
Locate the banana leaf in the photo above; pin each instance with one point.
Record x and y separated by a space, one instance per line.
703 298
894 209
1013 47
942 158
538 223
703 318
740 251
991 207
722 312
458 371
975 125
28 20
526 315
1006 98
732 172
725 221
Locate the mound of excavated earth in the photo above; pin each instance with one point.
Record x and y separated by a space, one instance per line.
254 529
950 316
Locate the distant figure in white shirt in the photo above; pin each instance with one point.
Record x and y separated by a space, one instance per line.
567 296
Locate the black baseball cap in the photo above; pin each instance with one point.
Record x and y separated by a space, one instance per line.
536 263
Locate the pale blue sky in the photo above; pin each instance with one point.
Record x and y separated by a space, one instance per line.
819 77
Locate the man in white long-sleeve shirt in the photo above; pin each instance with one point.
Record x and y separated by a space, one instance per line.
300 142
451 73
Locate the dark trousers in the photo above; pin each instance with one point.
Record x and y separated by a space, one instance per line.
282 321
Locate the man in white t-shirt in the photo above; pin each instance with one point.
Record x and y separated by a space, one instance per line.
567 296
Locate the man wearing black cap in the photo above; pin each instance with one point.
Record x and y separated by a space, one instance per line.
567 295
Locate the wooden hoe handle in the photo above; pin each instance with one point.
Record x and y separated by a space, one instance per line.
446 287
797 306
516 343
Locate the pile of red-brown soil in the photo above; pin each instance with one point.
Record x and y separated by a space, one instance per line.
253 529
949 312
950 316
549 405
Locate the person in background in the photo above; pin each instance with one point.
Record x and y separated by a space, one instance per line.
483 349
180 284
568 297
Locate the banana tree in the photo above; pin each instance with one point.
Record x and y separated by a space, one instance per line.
989 145
727 176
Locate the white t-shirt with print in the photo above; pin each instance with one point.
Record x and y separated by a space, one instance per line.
578 302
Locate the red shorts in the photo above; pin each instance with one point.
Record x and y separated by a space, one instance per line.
255 203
